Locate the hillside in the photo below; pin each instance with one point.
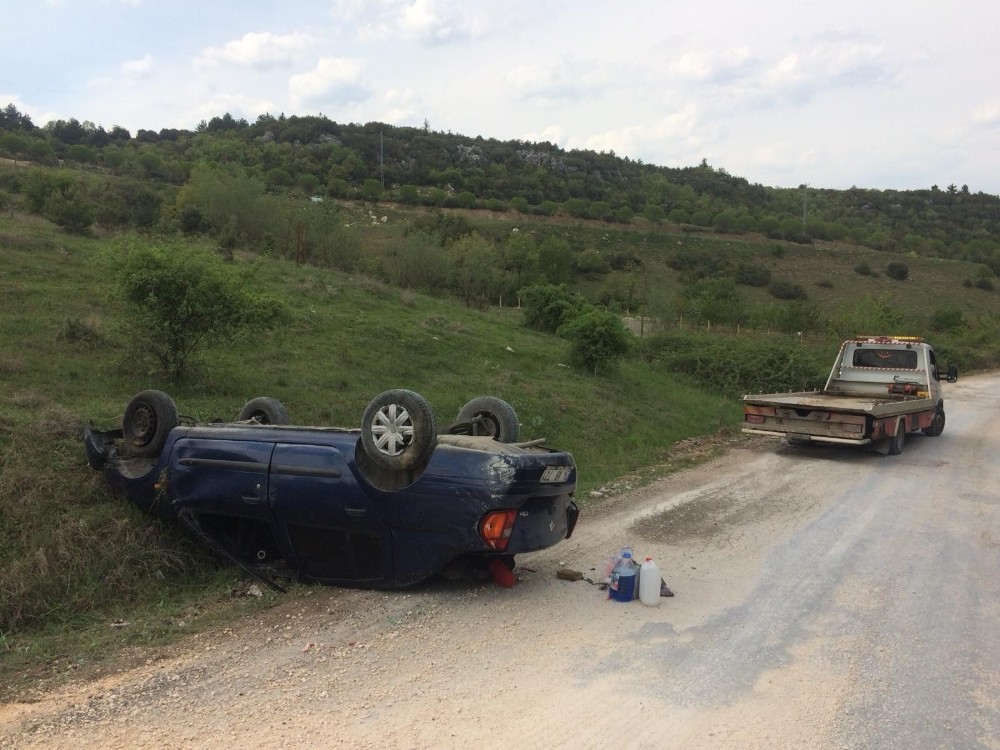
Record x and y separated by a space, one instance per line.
391 288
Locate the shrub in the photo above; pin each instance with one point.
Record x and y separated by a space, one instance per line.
947 319
897 270
735 366
786 290
750 275
864 269
597 338
549 306
179 299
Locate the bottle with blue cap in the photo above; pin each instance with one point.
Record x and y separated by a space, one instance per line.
623 578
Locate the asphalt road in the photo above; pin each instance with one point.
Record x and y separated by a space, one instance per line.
826 598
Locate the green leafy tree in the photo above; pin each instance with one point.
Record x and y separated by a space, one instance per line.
278 178
549 306
179 299
419 261
654 213
371 189
475 269
409 194
597 339
520 258
555 260
70 209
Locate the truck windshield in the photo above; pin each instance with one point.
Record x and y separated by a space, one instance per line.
893 359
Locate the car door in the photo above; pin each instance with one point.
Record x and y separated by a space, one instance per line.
337 534
221 485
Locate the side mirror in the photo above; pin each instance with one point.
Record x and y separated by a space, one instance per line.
952 373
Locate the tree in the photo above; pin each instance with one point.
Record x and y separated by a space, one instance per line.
70 209
179 298
520 257
371 189
475 268
549 306
555 260
596 337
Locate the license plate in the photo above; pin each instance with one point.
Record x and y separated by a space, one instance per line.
556 474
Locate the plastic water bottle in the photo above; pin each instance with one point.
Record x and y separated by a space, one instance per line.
649 583
623 578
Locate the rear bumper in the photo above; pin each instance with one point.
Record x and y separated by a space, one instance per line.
805 437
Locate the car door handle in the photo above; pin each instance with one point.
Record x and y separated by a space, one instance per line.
356 512
253 498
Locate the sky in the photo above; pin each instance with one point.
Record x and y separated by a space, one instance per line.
883 94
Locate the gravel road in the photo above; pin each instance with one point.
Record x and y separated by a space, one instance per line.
825 598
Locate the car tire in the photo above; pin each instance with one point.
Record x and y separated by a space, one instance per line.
149 418
896 441
491 416
399 430
265 410
937 426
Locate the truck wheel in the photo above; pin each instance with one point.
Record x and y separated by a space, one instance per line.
937 426
897 440
265 410
491 416
149 418
398 430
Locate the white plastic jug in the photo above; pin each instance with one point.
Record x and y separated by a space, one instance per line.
649 583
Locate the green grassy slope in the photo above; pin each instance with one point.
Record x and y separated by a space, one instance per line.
73 557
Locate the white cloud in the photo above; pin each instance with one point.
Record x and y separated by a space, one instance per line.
987 114
333 79
259 50
547 84
553 134
429 22
677 137
140 68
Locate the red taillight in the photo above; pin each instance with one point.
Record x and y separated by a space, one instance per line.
495 528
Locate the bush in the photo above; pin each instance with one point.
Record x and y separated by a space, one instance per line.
549 306
864 269
597 338
786 290
735 366
749 275
897 270
948 319
178 299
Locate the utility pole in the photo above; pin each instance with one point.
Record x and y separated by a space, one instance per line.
381 160
804 186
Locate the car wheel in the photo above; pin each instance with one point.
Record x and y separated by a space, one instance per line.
264 410
937 426
398 430
149 418
897 440
491 416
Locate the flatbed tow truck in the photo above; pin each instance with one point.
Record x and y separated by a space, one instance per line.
880 389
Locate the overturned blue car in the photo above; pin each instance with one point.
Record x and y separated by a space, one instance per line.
389 504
